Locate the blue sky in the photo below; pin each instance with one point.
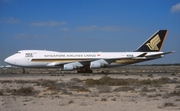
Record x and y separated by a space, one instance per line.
87 25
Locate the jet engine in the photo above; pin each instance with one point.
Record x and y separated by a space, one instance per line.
95 65
67 67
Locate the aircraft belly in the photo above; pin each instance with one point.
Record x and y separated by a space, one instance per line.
128 61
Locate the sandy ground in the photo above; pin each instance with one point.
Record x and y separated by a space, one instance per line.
69 92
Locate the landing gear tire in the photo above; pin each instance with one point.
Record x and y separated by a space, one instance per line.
85 71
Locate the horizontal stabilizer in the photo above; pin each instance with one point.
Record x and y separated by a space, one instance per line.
164 53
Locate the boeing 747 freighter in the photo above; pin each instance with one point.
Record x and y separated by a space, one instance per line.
84 62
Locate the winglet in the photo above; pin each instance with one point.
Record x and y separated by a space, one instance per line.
154 43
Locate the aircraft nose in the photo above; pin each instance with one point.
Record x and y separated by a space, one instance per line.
9 60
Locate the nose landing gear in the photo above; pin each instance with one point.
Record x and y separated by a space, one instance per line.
24 71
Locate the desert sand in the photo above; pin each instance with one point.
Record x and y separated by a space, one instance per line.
128 91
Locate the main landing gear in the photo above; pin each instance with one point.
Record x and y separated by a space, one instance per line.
84 70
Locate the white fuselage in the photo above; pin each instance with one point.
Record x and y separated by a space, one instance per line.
43 58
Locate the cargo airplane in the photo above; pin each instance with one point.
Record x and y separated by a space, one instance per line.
84 62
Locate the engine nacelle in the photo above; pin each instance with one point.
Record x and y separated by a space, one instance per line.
95 65
67 67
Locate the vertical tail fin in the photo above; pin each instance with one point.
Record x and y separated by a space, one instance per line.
154 43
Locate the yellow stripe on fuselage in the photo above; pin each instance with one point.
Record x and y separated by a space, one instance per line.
128 61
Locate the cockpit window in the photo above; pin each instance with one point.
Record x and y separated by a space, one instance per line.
18 52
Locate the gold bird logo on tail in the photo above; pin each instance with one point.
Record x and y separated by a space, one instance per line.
154 42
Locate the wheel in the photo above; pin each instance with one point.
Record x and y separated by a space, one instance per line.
89 71
84 71
23 71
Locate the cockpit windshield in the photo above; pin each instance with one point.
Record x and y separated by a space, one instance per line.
18 52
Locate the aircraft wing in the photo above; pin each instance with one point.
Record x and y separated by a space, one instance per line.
106 61
82 63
